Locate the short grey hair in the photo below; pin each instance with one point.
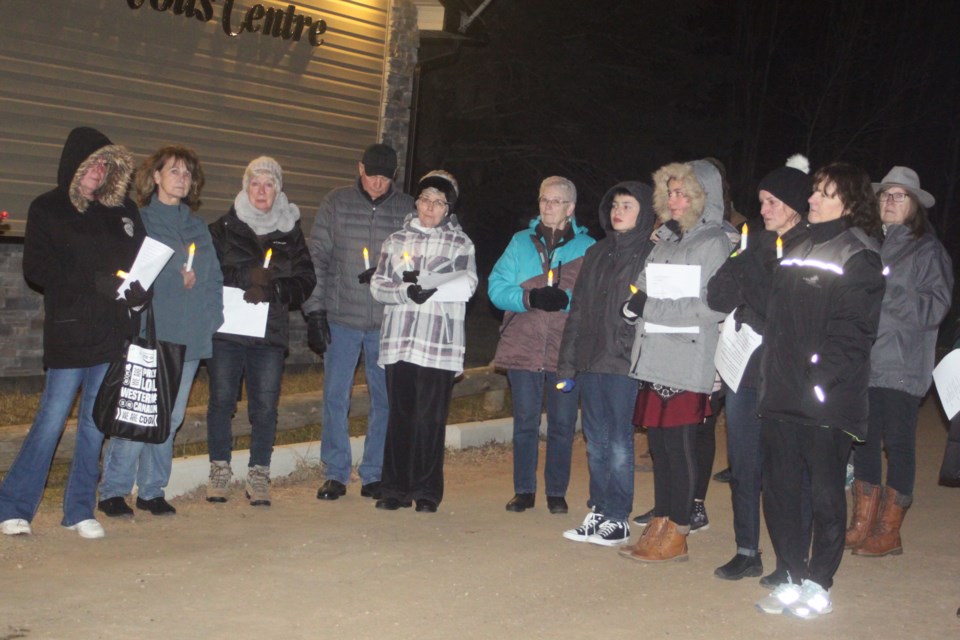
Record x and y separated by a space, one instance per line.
563 183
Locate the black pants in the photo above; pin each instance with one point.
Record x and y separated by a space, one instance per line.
413 453
893 427
788 450
673 450
707 447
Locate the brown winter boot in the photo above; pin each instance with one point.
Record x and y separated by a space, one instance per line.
671 544
866 504
648 540
884 538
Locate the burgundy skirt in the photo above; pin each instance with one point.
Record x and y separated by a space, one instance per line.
686 407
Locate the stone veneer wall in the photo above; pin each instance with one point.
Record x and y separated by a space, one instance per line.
21 308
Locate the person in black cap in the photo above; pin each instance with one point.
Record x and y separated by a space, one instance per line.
343 318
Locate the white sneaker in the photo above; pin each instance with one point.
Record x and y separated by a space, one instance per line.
585 530
780 598
610 533
89 529
15 527
814 601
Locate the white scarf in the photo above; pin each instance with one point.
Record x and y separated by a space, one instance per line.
281 216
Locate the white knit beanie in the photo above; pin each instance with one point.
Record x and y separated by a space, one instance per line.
263 164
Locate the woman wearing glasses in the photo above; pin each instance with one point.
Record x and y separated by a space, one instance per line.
919 278
532 283
422 340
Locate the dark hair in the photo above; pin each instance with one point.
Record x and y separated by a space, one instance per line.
621 191
146 187
853 186
916 219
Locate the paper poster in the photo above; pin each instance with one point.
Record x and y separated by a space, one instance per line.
946 377
243 318
151 259
734 351
672 281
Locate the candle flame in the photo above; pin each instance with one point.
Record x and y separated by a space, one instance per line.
193 248
633 289
122 274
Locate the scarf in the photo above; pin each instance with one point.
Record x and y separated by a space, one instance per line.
281 216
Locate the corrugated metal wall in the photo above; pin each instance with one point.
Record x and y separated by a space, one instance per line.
147 78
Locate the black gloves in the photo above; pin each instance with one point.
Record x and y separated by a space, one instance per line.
637 302
258 277
364 276
318 332
548 299
418 294
135 296
674 226
411 276
257 294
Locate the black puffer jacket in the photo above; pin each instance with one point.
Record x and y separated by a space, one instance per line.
595 338
71 243
822 319
239 249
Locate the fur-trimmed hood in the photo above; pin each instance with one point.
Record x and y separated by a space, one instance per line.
84 147
701 183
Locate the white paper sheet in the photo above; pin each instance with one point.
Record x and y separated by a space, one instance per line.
946 377
671 282
734 351
451 287
241 317
151 259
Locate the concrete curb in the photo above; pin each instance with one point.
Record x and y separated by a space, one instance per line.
190 473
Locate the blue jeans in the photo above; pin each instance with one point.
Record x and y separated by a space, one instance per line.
743 452
527 388
339 365
608 401
149 464
262 367
23 485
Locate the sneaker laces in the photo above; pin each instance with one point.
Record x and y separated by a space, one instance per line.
609 527
259 480
220 475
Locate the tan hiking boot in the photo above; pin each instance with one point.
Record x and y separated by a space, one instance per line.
258 486
218 484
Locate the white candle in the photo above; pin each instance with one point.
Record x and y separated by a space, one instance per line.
550 278
743 238
366 258
407 263
192 250
266 259
779 247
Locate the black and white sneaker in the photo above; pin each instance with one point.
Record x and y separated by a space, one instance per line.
585 530
698 519
611 533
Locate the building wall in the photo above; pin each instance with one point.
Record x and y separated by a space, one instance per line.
147 78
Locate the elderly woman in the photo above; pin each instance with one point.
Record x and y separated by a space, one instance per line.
187 309
78 235
674 346
422 340
260 221
822 319
919 278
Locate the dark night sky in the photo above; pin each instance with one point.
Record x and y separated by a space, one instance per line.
603 91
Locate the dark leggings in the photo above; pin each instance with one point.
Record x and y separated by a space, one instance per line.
674 471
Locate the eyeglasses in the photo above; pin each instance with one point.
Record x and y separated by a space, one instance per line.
896 197
430 204
676 193
552 203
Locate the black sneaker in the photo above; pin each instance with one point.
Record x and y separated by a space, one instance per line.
698 518
644 518
742 566
610 533
115 508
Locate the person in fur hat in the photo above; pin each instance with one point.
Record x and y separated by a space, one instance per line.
422 341
78 236
261 220
675 369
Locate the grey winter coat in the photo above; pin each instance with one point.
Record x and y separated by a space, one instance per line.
347 222
919 277
684 360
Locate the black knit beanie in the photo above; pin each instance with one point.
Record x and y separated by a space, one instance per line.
442 182
790 184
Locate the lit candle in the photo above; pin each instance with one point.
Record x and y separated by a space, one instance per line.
633 289
122 274
407 263
743 238
779 247
192 250
366 258
266 259
550 278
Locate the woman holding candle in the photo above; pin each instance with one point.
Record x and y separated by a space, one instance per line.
674 359
822 319
919 277
742 286
187 309
422 342
261 221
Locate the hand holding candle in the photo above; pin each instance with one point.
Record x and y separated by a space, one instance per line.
190 252
266 259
